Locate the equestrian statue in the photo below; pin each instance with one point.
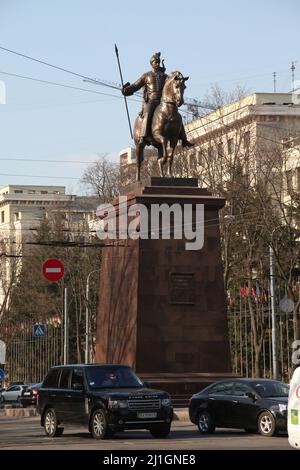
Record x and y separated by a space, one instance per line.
159 122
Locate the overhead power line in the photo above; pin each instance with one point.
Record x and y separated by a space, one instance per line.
104 82
41 176
47 161
188 101
47 82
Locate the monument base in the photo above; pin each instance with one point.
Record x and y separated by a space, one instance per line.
162 308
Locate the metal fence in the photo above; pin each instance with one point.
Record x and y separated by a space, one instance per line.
241 336
29 357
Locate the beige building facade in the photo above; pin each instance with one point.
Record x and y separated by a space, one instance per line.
22 208
254 124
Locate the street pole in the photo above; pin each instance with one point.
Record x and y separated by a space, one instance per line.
87 317
87 321
273 316
65 327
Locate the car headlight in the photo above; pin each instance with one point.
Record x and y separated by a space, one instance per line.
117 403
166 402
122 403
282 407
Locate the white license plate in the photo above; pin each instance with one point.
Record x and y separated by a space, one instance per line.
147 415
26 393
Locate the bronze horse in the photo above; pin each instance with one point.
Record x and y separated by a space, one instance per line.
166 124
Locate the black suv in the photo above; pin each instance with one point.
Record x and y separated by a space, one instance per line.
105 398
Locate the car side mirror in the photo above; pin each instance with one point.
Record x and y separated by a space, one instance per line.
146 384
251 395
78 387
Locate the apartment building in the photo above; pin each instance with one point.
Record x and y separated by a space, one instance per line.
23 207
247 127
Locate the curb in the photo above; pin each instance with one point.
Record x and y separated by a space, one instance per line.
181 415
20 412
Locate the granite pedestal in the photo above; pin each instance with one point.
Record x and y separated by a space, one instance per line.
162 308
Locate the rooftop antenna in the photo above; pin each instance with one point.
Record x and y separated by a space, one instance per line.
293 74
274 81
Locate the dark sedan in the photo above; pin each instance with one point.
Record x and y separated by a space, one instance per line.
30 394
250 404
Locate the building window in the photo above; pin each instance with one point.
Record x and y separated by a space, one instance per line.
201 156
2 217
210 153
246 138
289 181
220 149
193 161
18 191
17 216
230 146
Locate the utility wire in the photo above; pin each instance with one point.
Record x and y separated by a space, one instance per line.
40 176
48 161
59 68
47 82
237 220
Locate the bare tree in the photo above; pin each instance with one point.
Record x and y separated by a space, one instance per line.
102 178
9 268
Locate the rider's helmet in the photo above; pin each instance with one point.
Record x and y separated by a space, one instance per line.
155 57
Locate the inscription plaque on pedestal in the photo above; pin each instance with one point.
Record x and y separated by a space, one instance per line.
182 288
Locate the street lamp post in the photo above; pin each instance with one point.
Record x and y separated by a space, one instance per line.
273 316
87 317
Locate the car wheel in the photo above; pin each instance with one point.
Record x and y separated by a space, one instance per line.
51 425
205 423
266 424
160 431
98 425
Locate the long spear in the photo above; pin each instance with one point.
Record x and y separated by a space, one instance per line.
126 106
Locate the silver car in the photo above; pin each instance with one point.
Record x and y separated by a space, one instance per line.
12 393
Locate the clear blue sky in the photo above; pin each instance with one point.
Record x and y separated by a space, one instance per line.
228 43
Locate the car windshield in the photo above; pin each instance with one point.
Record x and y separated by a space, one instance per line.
112 377
271 389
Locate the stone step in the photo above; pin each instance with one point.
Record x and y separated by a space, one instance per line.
20 412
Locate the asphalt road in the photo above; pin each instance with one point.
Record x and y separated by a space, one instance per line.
26 433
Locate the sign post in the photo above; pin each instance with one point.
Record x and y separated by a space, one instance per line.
53 270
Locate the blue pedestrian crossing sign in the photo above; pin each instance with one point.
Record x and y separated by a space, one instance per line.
39 330
2 375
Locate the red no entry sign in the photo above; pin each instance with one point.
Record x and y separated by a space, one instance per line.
53 270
